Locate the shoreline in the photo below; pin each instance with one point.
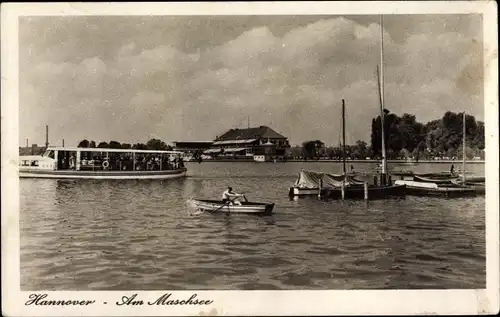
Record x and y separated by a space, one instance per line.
347 161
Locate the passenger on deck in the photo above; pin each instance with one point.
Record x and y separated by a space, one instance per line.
72 162
231 197
452 169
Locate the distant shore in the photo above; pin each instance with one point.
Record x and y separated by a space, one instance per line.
228 160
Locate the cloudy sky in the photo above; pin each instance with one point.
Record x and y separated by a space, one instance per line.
192 78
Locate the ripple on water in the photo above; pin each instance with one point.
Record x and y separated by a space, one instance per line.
116 235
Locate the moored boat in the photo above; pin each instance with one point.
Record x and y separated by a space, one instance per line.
333 186
414 188
102 163
438 179
246 207
446 185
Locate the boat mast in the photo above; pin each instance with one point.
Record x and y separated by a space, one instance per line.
381 85
46 136
463 150
343 136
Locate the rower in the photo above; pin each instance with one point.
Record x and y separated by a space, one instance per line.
228 193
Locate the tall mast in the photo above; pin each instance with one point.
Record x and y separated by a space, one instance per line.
463 149
46 135
381 83
343 136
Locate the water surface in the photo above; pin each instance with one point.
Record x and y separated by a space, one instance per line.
121 235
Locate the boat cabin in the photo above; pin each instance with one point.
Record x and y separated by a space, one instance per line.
103 159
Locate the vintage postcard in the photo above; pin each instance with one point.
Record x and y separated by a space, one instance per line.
250 158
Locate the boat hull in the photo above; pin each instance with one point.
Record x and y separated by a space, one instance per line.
358 192
454 192
298 191
72 174
246 207
415 188
352 192
435 179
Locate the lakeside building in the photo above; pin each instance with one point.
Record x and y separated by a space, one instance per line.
259 143
190 147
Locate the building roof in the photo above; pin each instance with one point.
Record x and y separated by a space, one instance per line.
251 133
244 141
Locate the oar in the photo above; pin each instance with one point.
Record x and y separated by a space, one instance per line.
226 203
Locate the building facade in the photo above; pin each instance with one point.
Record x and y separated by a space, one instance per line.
260 144
190 147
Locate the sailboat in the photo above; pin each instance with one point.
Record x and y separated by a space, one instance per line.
343 186
347 185
448 187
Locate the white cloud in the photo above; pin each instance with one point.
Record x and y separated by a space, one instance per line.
293 83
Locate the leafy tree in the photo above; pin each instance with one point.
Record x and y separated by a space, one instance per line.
156 144
126 146
92 144
296 151
312 149
114 145
360 150
478 140
140 146
436 138
84 143
103 145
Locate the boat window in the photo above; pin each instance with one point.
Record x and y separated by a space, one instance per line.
49 153
34 163
25 163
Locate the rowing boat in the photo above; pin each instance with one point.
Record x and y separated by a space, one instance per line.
246 207
416 188
435 179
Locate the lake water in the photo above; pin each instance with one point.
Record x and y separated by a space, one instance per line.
122 235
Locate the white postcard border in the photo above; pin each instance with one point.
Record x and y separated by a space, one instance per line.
338 302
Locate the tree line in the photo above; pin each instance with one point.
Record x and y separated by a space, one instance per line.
406 138
153 144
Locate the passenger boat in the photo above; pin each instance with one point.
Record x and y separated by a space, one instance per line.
102 163
246 207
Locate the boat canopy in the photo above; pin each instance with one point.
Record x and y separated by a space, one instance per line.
87 149
310 179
